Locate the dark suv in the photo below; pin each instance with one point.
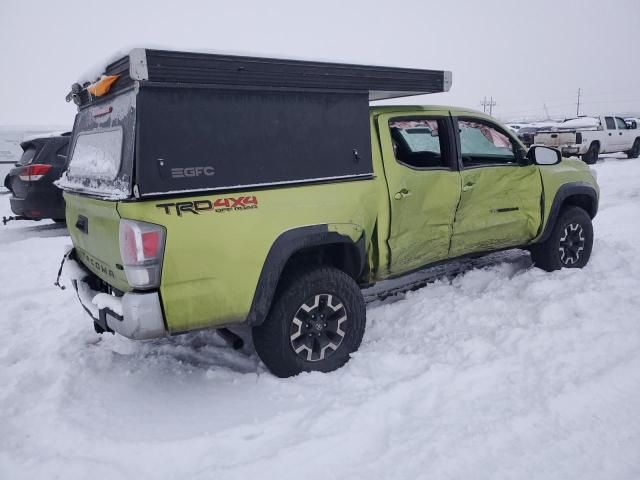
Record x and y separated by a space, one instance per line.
34 196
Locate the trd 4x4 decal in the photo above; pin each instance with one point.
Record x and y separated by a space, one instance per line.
220 205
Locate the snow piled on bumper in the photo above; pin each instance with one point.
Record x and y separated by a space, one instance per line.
503 372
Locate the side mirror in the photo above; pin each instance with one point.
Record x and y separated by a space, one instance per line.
634 125
544 155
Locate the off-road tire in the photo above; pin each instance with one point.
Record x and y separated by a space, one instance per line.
591 157
330 289
564 248
635 150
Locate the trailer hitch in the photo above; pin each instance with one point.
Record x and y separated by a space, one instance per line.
5 220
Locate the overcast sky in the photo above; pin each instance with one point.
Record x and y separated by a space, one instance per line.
523 53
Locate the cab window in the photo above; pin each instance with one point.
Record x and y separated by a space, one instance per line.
483 144
420 143
611 124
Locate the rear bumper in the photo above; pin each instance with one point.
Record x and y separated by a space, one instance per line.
33 206
571 150
133 315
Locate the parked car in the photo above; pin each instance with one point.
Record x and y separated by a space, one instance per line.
527 134
273 207
588 137
632 122
33 193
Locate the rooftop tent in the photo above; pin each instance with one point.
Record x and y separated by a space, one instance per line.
230 70
252 121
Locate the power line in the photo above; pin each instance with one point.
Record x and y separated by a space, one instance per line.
491 103
578 106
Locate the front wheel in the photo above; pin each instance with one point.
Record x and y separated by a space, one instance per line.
635 149
316 321
570 242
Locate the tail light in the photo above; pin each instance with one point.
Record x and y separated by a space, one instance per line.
579 137
32 173
142 250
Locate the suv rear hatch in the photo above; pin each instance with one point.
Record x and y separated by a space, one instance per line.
99 175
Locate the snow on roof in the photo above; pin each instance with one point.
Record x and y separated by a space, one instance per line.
582 122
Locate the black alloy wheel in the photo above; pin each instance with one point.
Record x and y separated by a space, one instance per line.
315 323
572 243
317 327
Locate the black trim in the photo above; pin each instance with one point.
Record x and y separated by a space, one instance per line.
242 188
283 248
564 192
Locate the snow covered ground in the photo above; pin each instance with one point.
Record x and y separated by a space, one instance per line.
504 372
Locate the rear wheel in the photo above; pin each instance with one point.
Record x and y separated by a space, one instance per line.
591 156
635 150
570 242
316 321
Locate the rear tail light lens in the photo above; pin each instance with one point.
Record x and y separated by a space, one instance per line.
142 250
32 173
579 137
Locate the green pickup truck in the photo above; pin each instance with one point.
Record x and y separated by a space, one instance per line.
206 191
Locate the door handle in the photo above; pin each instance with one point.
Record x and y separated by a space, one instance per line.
402 194
82 224
467 187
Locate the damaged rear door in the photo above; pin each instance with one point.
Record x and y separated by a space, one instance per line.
423 184
500 200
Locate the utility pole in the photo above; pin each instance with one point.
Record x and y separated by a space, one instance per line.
491 103
578 106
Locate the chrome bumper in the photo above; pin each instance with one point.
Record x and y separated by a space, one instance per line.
134 315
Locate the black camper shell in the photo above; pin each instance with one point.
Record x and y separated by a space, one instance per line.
186 122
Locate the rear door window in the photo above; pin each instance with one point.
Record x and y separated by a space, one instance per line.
611 124
420 143
97 154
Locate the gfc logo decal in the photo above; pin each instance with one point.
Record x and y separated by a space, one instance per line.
220 205
188 172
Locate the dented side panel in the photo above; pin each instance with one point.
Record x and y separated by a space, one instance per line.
422 204
501 207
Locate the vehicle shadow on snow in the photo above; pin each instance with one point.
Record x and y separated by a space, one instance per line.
201 350
41 231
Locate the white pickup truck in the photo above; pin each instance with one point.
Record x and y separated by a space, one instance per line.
588 137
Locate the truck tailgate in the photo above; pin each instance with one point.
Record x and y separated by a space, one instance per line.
555 139
94 227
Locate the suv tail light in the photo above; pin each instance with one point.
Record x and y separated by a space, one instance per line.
142 250
579 137
32 173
